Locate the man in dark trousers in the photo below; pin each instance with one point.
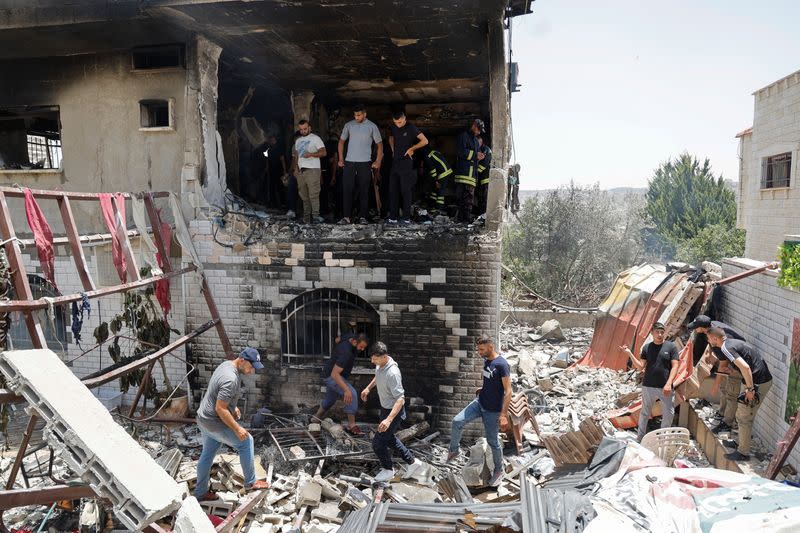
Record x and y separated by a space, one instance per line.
491 406
728 379
334 375
438 170
482 190
468 155
757 380
659 361
217 417
360 134
389 383
404 139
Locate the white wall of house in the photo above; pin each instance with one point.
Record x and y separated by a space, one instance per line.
769 214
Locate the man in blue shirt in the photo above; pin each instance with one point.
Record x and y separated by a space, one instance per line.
491 406
334 375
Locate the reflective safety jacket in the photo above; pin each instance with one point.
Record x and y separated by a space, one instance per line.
484 165
467 159
437 166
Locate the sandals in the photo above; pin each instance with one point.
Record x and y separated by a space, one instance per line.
354 431
261 484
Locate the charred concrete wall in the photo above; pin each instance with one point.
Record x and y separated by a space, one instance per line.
434 293
765 314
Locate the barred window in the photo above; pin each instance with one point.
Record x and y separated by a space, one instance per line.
776 171
44 150
313 320
30 138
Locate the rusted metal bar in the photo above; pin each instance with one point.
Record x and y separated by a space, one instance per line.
31 304
94 238
784 447
212 308
247 505
16 192
748 273
19 275
75 244
155 356
43 495
155 223
26 438
142 388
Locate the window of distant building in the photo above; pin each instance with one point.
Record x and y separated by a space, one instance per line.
776 171
30 138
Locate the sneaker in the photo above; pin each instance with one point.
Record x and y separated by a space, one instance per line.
405 222
737 456
209 496
391 221
730 443
413 469
290 214
363 220
384 475
318 220
452 455
344 221
722 426
494 481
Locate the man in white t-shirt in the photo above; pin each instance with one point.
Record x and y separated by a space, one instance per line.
306 154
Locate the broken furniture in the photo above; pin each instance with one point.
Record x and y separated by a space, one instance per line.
519 413
667 443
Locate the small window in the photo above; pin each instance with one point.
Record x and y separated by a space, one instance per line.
775 171
158 57
155 114
312 321
30 138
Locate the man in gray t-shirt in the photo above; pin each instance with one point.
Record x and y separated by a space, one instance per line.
389 383
359 134
217 417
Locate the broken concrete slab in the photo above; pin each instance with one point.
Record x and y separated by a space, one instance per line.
192 518
550 330
90 442
309 495
327 512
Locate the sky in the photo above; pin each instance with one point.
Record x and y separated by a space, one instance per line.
611 89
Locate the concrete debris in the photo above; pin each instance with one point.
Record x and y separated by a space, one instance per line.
550 330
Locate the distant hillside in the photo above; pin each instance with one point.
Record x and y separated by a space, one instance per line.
617 192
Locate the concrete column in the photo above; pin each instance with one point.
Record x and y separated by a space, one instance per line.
499 109
301 105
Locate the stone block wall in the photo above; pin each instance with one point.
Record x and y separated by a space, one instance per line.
434 293
764 313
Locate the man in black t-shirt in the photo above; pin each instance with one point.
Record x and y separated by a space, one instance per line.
756 378
405 138
491 406
659 361
334 375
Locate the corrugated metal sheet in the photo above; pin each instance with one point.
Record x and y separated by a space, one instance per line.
636 301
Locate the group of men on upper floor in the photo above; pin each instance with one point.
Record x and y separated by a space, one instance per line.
355 180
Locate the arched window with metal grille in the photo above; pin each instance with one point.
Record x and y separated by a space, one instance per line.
312 321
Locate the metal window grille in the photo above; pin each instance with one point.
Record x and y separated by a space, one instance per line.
776 171
311 322
44 149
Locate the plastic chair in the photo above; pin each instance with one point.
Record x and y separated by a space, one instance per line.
667 443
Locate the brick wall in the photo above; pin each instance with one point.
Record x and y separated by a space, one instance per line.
434 293
769 214
764 313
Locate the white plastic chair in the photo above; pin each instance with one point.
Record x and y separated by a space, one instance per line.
667 443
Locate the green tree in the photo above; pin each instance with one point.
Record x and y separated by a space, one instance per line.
684 197
711 243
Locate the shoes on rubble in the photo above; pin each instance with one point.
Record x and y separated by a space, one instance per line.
413 469
737 456
384 475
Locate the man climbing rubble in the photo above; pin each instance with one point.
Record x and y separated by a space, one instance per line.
334 375
217 418
659 362
756 378
491 406
728 379
389 382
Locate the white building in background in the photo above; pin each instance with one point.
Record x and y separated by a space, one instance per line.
769 180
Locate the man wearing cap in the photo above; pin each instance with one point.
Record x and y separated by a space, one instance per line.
757 380
391 394
334 375
468 154
659 361
217 417
728 378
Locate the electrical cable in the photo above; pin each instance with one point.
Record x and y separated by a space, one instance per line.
551 302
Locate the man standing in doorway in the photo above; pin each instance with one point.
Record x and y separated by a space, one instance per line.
757 380
491 406
659 361
276 169
217 417
357 177
389 383
335 373
405 139
308 149
468 156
